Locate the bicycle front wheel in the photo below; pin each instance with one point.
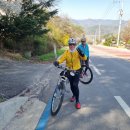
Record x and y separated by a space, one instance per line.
57 100
86 75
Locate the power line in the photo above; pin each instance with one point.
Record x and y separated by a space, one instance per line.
107 13
109 8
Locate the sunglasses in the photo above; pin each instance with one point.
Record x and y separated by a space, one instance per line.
71 44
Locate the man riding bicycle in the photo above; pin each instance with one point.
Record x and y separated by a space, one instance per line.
72 58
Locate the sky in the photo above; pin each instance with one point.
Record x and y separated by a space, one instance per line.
93 9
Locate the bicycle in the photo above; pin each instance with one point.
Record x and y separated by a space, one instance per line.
86 75
59 92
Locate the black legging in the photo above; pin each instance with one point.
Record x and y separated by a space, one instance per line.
86 63
74 81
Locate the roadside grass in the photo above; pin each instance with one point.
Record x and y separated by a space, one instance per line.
19 57
11 55
50 56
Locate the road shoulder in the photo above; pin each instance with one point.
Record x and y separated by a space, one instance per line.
28 116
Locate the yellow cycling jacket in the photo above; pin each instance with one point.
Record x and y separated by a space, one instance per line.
72 59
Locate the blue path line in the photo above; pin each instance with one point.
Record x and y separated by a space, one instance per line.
44 117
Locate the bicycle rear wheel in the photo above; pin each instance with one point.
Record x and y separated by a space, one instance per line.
86 75
57 99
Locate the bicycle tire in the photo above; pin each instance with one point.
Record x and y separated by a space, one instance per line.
88 77
59 89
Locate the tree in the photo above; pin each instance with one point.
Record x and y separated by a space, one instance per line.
110 39
33 18
13 6
62 28
126 33
30 21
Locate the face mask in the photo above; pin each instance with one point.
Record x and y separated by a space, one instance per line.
72 51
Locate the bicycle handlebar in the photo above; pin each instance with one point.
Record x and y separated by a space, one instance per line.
61 67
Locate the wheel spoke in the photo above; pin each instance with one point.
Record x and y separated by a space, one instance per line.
57 100
87 75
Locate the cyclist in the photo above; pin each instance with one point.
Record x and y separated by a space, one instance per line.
72 58
83 46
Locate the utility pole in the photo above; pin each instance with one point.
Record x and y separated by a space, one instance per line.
55 53
120 20
95 37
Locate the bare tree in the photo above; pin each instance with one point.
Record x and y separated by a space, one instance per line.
13 6
126 33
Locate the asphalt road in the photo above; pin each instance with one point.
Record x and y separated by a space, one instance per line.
16 76
105 102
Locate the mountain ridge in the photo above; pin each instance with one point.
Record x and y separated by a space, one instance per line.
107 26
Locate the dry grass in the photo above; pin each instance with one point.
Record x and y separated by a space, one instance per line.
11 55
1 99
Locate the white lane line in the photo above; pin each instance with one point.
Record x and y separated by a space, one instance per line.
96 69
125 107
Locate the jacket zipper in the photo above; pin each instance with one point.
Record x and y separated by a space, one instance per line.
72 59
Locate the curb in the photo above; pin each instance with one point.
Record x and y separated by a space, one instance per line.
27 118
9 108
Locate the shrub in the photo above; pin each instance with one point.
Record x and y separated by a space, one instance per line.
10 44
108 42
128 42
42 45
